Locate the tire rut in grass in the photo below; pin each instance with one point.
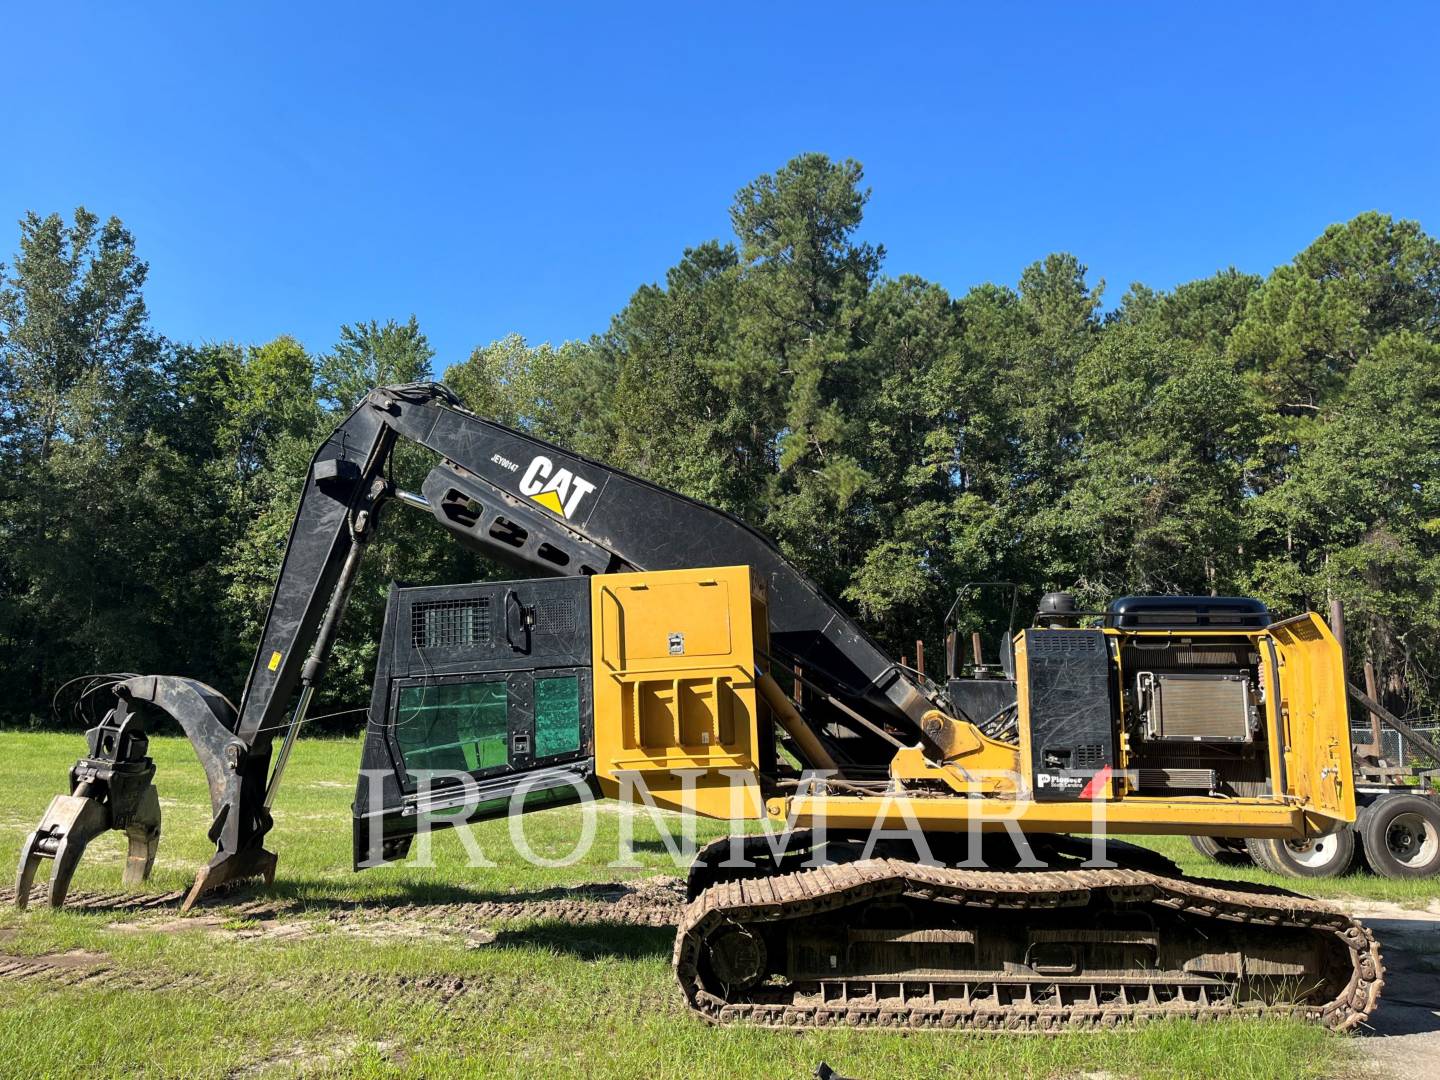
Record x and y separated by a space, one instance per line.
656 902
101 901
77 970
651 902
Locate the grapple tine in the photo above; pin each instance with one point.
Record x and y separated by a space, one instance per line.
25 875
225 868
143 833
67 827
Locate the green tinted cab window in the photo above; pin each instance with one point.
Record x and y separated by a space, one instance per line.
455 727
557 715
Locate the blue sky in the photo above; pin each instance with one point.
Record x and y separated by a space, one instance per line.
287 168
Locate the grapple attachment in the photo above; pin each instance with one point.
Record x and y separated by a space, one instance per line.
112 788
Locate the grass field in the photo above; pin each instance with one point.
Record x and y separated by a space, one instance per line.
311 990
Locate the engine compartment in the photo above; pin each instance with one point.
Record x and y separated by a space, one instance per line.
1192 715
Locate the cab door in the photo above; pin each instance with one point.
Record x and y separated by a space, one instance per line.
482 706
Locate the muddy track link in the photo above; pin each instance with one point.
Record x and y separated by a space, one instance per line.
767 951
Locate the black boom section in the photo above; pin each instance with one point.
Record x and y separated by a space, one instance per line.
545 510
342 480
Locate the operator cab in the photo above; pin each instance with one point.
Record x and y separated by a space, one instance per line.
478 689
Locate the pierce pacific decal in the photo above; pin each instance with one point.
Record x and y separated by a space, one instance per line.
558 490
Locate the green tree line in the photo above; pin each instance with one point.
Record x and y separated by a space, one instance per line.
1274 436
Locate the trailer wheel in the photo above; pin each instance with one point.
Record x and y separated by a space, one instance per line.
1317 857
1221 850
1401 834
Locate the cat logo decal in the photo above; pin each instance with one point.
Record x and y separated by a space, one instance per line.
558 490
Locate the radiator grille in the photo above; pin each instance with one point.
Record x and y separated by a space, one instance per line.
1180 658
1240 770
1197 707
1177 779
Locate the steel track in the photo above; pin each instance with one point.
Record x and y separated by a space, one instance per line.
1010 1000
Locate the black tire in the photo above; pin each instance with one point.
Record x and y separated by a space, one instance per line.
1401 834
1320 857
1221 850
1205 845
1259 852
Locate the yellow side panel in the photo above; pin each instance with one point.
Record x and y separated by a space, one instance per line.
1022 700
1313 716
675 699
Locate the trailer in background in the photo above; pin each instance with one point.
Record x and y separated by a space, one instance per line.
1396 832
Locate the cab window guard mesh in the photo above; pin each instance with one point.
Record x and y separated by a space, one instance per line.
439 624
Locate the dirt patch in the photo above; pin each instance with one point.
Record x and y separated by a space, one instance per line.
72 968
300 1058
75 958
267 929
167 926
225 926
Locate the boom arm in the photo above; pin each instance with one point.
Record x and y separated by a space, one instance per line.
525 503
537 507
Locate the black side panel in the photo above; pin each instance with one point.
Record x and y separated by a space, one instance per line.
1071 727
480 690
490 626
979 700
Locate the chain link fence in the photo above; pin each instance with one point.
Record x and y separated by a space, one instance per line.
1395 748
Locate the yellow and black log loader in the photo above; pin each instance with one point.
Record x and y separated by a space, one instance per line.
921 859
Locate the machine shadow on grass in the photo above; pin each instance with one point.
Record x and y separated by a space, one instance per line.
591 941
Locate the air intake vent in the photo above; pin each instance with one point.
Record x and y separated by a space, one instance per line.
1064 643
556 616
448 624
1089 756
